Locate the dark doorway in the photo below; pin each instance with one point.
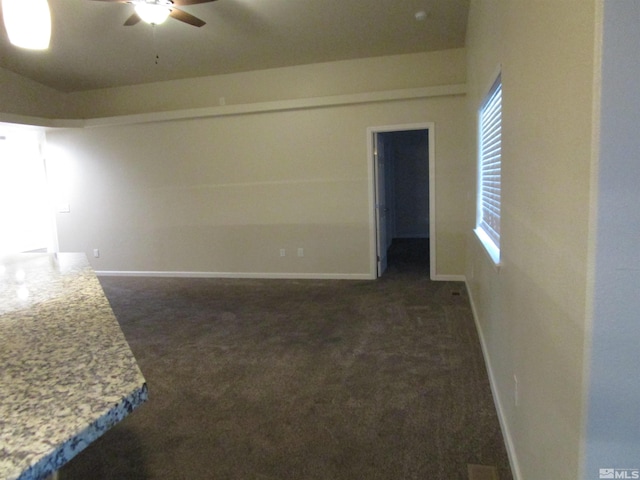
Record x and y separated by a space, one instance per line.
408 255
406 198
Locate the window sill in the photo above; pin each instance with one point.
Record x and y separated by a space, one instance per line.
493 252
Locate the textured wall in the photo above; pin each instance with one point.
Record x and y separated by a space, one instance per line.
531 312
613 415
22 96
307 81
224 194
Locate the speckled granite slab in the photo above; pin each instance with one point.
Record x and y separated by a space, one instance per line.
67 373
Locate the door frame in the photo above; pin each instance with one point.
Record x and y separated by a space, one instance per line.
380 170
373 200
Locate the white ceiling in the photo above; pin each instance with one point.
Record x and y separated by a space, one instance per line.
90 47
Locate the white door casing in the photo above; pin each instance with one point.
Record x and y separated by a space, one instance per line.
374 190
381 206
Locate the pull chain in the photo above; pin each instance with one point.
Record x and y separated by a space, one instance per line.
155 43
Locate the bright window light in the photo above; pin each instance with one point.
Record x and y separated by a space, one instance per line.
490 171
152 13
25 215
28 23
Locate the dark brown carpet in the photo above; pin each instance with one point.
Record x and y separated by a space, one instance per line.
273 379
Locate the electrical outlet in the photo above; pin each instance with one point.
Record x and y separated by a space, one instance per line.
283 252
301 252
96 253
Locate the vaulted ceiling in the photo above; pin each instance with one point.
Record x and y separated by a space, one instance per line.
91 48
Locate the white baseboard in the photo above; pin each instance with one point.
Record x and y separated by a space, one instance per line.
255 275
449 278
511 453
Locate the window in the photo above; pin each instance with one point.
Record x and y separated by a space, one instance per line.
25 217
489 170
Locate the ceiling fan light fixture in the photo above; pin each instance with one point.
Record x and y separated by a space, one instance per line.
28 23
153 13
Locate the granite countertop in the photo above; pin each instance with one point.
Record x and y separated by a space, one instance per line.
67 373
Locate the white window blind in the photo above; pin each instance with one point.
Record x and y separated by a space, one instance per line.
490 160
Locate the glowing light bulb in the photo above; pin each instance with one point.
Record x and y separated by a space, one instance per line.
153 13
28 23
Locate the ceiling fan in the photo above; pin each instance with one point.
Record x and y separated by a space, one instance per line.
156 11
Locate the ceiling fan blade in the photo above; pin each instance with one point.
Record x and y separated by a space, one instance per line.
132 20
180 3
186 17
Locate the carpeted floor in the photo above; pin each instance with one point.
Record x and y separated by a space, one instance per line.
309 379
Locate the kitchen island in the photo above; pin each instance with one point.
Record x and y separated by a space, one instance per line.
67 373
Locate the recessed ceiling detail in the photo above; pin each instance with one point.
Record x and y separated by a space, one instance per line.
91 48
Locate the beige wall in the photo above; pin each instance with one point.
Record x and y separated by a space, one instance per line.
612 429
21 96
308 81
531 313
224 193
